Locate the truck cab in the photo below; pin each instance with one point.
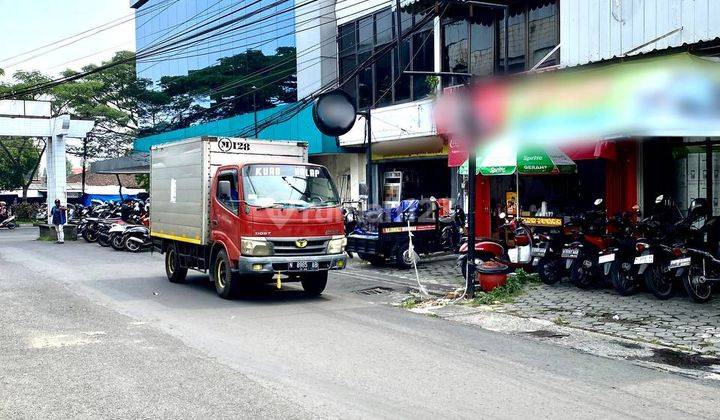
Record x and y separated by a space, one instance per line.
278 219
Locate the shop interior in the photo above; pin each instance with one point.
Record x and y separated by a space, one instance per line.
414 179
549 195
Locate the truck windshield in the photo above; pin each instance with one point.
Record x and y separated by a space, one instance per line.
288 186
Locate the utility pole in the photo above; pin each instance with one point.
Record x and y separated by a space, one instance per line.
368 157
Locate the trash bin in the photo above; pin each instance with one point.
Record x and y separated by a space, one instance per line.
491 274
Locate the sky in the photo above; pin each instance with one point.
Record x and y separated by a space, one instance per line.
28 24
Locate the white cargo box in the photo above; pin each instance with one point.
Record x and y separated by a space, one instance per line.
181 174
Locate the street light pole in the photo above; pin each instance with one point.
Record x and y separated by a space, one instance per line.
368 157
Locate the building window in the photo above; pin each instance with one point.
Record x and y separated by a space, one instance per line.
517 37
543 33
482 41
473 38
383 83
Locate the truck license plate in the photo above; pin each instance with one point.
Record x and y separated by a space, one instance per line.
680 262
570 252
606 258
538 252
645 259
303 266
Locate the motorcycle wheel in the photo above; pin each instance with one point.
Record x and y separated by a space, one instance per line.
580 275
549 270
698 291
116 241
623 280
103 241
11 225
131 246
658 282
90 235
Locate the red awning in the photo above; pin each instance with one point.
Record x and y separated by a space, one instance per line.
591 150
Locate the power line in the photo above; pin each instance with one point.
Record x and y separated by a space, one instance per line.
284 115
246 78
55 82
97 29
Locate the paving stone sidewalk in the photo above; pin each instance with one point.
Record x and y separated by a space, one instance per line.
438 273
676 322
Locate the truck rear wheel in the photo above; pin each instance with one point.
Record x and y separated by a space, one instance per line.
314 284
175 273
226 282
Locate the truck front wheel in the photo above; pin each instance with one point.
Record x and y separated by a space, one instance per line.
175 273
314 284
225 280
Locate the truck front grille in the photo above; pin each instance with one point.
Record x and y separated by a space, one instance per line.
290 247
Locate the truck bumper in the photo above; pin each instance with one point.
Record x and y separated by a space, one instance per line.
271 265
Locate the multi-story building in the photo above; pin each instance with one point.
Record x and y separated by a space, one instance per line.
683 164
463 39
244 25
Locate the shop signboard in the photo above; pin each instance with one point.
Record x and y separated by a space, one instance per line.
551 222
669 96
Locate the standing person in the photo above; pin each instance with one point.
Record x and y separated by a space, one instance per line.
59 219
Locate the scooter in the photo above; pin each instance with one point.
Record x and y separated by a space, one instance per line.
9 223
515 252
617 259
136 239
546 260
587 239
703 251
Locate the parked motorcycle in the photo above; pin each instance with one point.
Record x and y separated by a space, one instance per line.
9 223
452 228
515 251
136 239
617 260
703 251
662 259
587 239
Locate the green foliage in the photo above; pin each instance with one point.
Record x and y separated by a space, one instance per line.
19 160
124 106
143 181
514 287
410 302
24 212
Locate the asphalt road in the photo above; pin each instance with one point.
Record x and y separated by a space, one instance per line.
90 332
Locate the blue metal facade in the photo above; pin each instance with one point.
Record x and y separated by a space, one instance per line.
299 128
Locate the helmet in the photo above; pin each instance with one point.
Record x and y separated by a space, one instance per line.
698 207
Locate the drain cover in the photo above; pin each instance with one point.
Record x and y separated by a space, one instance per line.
373 290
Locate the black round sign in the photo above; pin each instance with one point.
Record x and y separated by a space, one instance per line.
334 113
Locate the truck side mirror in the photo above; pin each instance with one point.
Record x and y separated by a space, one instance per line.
224 189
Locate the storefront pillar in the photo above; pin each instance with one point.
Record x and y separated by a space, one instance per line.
709 173
483 215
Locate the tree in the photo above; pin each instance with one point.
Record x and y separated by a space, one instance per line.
114 98
19 161
231 84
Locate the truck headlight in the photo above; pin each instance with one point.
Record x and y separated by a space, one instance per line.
255 247
336 245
